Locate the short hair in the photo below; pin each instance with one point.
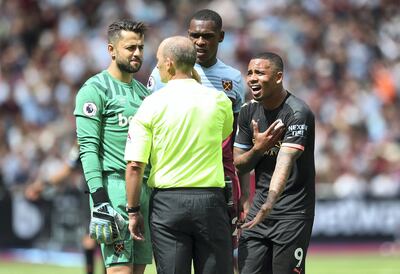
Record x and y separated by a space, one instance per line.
114 30
274 58
208 15
182 51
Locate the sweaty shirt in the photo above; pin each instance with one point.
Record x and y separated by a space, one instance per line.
298 198
104 106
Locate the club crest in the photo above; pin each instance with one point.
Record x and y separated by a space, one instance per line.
119 247
227 84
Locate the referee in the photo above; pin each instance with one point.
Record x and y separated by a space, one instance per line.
179 130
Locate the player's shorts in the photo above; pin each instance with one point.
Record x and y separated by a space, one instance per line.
128 251
275 246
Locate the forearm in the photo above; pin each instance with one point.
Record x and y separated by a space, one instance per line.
88 139
133 178
246 161
284 164
244 180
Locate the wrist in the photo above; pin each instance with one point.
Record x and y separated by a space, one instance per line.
99 196
259 152
133 209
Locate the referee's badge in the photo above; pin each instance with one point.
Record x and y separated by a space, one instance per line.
227 84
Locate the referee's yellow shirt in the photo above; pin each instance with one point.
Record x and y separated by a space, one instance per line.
180 129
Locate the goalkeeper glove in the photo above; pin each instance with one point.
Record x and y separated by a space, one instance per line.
106 224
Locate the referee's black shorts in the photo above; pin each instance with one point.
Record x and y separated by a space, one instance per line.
275 246
190 223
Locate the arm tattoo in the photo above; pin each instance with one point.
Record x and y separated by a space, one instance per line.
283 168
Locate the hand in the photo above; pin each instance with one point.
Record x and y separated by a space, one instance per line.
266 140
34 190
244 207
136 226
106 224
261 215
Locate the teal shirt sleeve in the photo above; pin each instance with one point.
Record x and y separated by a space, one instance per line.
88 113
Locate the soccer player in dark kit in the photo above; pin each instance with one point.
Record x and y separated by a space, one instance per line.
277 229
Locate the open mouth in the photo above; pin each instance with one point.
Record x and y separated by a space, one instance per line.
255 90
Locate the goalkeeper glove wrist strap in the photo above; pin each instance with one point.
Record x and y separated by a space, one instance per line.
99 196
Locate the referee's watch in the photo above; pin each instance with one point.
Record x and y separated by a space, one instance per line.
134 209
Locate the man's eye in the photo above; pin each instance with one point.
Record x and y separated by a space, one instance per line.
208 36
194 35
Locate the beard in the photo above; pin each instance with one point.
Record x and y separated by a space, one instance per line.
127 67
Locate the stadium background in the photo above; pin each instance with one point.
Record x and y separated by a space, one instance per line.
342 57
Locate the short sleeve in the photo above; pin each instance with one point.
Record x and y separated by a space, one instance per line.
298 129
140 136
154 83
244 134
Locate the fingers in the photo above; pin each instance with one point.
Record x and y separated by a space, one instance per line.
255 127
249 224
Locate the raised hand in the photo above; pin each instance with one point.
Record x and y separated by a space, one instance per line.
266 140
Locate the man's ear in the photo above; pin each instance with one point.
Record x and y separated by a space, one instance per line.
170 65
221 36
111 50
279 77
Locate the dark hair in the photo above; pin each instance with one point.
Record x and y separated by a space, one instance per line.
274 58
114 30
208 15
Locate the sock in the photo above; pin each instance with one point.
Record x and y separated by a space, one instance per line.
89 260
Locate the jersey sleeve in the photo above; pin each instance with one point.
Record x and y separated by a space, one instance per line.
88 113
239 95
154 83
140 136
298 129
244 134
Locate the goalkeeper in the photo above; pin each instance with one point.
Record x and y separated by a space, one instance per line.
104 106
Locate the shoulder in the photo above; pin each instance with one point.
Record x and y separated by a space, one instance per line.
250 106
94 85
229 70
298 105
141 89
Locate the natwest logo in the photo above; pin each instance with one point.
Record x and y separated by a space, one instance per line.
123 120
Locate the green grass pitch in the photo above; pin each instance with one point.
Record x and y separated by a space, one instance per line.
316 264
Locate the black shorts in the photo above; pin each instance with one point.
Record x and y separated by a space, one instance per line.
275 246
190 224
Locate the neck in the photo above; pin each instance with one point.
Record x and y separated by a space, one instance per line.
118 74
275 100
209 64
181 75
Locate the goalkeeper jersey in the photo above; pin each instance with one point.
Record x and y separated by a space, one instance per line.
104 106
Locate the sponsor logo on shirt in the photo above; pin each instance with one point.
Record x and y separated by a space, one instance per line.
89 109
123 121
227 84
297 130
